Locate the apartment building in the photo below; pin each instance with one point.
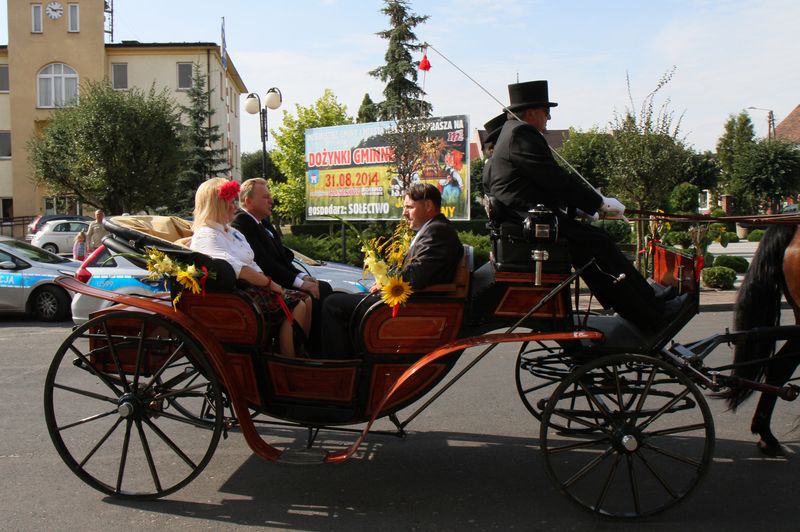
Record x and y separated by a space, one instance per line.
53 47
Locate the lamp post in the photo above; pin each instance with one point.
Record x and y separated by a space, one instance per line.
770 122
252 105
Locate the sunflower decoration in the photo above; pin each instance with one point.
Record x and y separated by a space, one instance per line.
186 277
384 259
395 293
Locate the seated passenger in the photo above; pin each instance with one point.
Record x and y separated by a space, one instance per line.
432 258
214 208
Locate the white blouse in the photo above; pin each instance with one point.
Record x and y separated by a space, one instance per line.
224 242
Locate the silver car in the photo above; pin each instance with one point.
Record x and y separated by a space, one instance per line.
57 236
118 274
26 280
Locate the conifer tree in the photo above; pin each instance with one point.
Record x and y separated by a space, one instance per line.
199 136
403 96
368 111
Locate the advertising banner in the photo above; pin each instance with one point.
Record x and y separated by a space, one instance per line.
349 170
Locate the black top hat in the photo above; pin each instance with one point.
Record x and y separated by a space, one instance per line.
493 128
529 94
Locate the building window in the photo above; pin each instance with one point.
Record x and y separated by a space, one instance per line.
3 78
119 75
73 14
184 76
36 18
6 208
5 144
58 86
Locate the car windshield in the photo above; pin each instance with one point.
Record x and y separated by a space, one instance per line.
33 253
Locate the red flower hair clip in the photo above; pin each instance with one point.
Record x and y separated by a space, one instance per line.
229 191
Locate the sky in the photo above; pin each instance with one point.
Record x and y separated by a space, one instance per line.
728 55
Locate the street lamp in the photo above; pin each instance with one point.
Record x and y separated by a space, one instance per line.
252 105
770 122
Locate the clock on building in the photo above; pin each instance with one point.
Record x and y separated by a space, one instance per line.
54 10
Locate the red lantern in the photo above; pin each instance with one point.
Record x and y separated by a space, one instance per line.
424 65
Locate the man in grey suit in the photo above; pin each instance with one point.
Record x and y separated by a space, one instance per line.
432 258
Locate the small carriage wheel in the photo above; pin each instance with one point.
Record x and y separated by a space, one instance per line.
540 367
651 437
109 404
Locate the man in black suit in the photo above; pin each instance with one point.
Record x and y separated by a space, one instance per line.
255 200
432 258
524 174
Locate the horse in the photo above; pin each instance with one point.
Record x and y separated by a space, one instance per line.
774 271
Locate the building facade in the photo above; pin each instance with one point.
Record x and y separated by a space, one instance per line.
53 47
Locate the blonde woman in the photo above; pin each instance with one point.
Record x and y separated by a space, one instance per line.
214 208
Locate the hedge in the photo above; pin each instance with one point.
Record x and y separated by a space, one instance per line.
737 264
755 235
718 277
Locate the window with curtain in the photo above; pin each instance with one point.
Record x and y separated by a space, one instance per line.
57 84
119 76
73 14
36 18
184 76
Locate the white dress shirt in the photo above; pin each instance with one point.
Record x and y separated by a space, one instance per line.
224 242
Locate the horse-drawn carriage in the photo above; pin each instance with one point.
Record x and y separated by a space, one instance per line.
137 398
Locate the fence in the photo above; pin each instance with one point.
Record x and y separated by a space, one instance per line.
15 227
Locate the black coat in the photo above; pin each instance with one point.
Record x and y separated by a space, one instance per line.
524 173
435 255
271 256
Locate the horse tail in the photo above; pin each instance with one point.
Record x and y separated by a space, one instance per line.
758 304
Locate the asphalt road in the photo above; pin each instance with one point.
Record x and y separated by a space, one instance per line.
471 462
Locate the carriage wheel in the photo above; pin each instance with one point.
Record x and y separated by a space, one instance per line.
649 442
110 405
540 367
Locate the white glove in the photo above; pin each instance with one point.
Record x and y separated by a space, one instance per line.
591 217
612 206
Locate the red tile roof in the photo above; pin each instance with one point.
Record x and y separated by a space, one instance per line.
789 128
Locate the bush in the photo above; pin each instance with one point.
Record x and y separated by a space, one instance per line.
755 235
683 198
731 237
737 264
618 230
682 238
718 277
481 245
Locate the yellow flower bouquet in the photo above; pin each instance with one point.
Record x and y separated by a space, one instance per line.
186 277
384 258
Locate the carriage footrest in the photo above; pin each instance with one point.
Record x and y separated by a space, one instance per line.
684 353
302 456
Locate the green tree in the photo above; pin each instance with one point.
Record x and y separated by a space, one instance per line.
252 167
684 198
368 111
701 169
199 136
647 154
589 153
403 96
119 151
763 174
289 156
739 136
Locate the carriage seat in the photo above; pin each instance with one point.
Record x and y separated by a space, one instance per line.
432 317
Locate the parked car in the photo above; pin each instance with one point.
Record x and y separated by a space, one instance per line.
57 236
26 280
117 273
38 222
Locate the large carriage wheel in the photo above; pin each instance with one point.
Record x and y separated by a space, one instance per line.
649 438
110 405
540 367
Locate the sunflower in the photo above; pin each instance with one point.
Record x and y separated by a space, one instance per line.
396 291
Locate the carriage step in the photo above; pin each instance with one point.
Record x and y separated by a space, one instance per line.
684 353
302 456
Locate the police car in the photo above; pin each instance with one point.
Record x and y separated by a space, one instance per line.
118 274
26 280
